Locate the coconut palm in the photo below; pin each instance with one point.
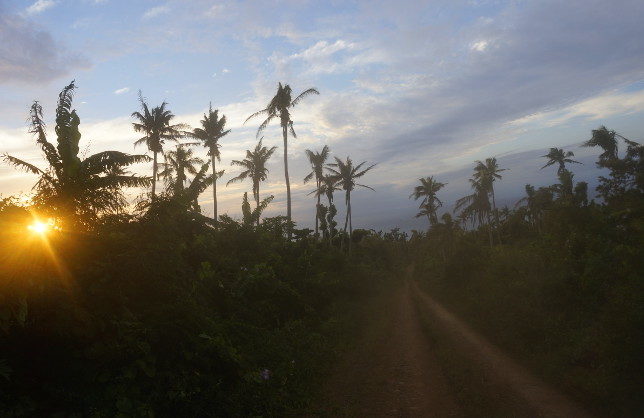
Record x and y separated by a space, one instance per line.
155 124
430 203
328 185
317 160
346 174
561 157
488 172
476 206
255 167
71 187
178 164
251 216
211 131
607 141
280 106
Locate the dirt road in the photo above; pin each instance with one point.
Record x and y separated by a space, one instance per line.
399 370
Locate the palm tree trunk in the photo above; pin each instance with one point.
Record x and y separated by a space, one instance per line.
496 215
256 193
346 220
154 175
288 182
317 212
214 186
350 224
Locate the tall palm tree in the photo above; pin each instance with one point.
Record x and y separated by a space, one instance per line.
178 163
280 106
255 167
430 203
487 173
317 160
561 157
155 124
212 129
71 187
346 174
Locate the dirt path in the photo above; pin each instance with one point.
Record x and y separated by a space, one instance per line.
395 370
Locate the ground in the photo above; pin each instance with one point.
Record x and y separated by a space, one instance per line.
416 359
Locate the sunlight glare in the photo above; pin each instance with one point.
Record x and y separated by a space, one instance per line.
39 227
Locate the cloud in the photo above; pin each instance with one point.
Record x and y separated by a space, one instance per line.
156 11
122 90
40 6
29 54
225 71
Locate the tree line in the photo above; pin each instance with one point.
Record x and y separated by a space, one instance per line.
78 191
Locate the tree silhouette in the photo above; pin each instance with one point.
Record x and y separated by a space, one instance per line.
561 157
252 216
212 129
178 163
155 124
328 185
430 203
255 167
317 160
346 174
476 206
72 187
280 106
487 173
606 140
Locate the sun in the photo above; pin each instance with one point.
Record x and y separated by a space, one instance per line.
39 227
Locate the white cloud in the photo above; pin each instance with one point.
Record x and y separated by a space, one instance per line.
40 6
225 71
479 46
122 90
156 11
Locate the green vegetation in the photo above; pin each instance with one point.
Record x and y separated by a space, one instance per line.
564 293
162 310
156 309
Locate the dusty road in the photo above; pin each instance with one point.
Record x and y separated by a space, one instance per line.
398 370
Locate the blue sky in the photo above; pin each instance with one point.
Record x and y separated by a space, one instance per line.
420 87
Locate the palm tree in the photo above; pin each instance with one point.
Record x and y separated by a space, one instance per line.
251 216
328 185
75 188
255 167
606 140
156 127
476 206
317 160
427 190
345 174
212 129
561 157
280 106
487 173
179 163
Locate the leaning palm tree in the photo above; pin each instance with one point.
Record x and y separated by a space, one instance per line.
178 164
155 124
345 174
212 129
255 167
606 140
280 106
561 157
317 160
74 188
430 203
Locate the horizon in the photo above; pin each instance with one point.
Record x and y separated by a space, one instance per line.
442 85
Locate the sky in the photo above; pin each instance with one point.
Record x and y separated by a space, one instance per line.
419 87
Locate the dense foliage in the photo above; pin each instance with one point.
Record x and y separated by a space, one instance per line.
564 292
